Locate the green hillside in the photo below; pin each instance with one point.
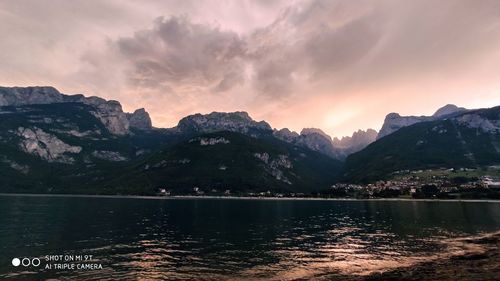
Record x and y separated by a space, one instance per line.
104 163
25 172
426 145
237 162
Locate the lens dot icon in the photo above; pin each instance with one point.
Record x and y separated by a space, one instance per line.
16 262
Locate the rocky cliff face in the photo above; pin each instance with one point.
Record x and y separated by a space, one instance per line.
315 132
16 96
220 121
37 142
359 140
140 119
317 140
275 166
394 121
447 110
286 135
312 138
489 124
110 113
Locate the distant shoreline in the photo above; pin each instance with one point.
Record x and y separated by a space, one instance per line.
184 197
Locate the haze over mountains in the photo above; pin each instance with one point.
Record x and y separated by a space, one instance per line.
52 142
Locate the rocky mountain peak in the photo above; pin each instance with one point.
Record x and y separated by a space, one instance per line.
140 119
392 115
317 140
313 131
15 96
286 135
359 139
368 132
221 121
448 109
394 121
110 112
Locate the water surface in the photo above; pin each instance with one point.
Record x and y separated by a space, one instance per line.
216 239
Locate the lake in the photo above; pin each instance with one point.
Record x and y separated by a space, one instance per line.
228 239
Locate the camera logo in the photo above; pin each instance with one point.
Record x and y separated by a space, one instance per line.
26 262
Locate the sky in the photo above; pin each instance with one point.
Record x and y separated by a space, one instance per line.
337 65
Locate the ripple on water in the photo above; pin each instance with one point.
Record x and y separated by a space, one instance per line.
228 240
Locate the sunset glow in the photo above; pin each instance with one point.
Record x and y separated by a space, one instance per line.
336 65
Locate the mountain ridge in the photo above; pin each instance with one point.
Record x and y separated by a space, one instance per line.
55 143
49 140
110 112
394 121
120 123
469 139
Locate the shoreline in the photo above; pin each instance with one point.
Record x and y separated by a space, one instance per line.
208 197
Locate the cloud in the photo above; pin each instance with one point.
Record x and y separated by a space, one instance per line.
176 52
331 44
315 40
302 43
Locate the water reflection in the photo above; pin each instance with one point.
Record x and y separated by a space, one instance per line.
233 239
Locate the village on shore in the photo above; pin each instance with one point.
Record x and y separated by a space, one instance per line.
443 183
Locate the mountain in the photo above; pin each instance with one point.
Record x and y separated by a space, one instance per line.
286 135
220 121
139 119
394 121
58 143
447 110
311 138
317 140
110 113
463 139
47 146
359 140
232 161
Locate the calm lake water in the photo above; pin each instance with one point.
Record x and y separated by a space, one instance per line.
217 239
